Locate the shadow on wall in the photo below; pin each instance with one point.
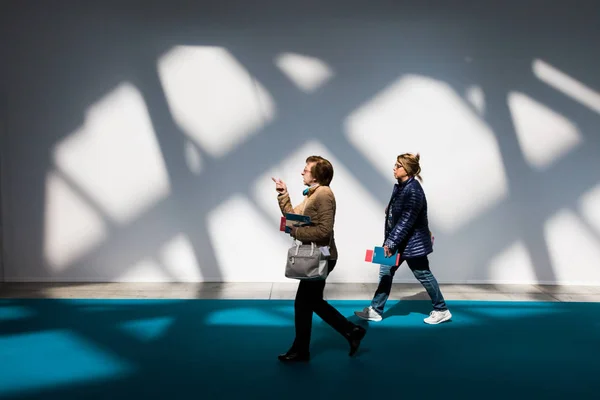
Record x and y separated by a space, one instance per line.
141 140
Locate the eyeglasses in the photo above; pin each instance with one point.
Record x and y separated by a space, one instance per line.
397 166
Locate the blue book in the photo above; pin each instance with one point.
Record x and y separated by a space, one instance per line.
293 220
377 256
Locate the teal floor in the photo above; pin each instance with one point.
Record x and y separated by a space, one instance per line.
207 349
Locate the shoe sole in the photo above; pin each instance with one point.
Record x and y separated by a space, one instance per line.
366 318
448 318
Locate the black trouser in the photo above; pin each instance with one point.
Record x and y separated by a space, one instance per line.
309 299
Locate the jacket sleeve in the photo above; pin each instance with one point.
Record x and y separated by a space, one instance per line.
413 205
285 205
321 229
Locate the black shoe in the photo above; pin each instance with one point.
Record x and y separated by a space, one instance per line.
355 336
294 356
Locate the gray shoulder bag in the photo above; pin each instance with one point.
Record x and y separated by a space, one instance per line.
306 261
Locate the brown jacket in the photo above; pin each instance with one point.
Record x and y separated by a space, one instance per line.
319 205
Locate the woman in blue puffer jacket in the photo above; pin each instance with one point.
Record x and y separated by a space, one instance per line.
407 231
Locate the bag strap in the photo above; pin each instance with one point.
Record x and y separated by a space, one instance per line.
312 248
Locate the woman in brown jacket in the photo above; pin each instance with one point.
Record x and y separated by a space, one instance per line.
319 205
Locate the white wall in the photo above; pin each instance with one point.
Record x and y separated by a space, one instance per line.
140 145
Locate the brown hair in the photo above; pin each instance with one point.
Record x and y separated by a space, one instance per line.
411 165
322 170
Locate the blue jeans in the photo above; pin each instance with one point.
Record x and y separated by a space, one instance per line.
420 268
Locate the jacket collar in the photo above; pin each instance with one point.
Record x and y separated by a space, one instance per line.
401 185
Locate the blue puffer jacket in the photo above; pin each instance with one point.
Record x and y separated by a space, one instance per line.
407 227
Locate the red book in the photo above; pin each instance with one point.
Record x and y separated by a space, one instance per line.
282 224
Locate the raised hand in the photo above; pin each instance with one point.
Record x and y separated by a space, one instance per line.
280 185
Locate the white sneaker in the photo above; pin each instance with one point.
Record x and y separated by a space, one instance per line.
368 314
437 317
